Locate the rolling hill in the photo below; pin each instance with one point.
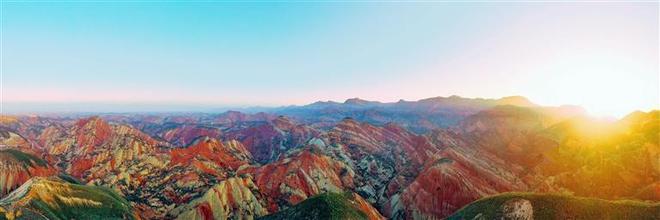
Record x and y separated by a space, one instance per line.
555 206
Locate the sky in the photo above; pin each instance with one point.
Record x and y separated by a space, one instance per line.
110 55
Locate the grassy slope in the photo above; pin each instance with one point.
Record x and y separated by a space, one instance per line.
60 200
554 206
322 206
26 159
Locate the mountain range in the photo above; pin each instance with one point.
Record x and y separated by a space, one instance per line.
442 157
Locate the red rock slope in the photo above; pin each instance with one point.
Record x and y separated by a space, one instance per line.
305 173
17 167
234 198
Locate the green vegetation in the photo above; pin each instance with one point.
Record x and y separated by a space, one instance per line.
443 161
68 178
322 206
555 206
50 199
26 159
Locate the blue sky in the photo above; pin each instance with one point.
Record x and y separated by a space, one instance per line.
242 54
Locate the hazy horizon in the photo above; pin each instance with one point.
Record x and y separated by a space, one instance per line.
94 108
109 56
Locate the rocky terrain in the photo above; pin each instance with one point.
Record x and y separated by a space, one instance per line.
17 167
359 159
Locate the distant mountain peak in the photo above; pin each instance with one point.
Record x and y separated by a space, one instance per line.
357 101
349 120
325 102
91 121
515 100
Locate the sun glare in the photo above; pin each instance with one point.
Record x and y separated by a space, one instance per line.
603 87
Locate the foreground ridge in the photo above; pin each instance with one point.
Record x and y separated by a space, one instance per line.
555 206
53 198
329 206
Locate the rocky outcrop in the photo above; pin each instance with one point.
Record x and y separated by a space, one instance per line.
9 139
366 207
17 167
268 140
92 148
161 181
234 198
185 134
212 156
386 159
293 179
447 185
516 209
